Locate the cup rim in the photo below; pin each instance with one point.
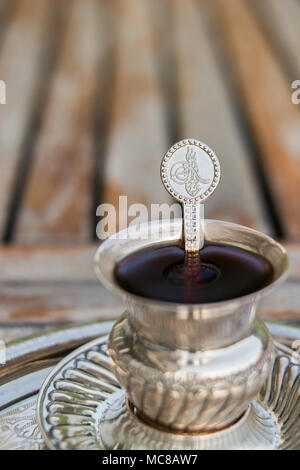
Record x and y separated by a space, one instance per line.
112 285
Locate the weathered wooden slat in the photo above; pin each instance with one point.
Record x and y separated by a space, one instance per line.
57 206
11 332
23 263
6 9
137 136
52 284
58 285
205 111
56 301
73 263
32 303
160 13
266 95
21 57
283 304
282 24
4 5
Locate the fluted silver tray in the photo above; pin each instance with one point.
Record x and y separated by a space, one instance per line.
28 363
20 383
81 395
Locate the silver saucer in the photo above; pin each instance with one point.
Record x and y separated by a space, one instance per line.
28 362
81 406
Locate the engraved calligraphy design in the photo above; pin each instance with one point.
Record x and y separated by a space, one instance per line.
187 173
19 428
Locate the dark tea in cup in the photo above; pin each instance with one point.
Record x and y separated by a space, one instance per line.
216 273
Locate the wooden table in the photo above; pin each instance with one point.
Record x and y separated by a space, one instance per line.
60 287
96 93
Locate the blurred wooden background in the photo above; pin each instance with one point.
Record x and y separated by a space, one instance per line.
98 90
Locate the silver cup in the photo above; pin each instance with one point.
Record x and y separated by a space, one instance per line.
195 367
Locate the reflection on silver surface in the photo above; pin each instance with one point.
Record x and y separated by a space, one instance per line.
212 325
190 391
190 367
21 381
82 407
22 354
18 424
18 427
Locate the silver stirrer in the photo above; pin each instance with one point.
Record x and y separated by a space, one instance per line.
190 172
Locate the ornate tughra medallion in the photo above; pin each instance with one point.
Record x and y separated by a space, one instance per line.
190 172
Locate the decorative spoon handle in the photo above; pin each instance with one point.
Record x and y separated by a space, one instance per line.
190 172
